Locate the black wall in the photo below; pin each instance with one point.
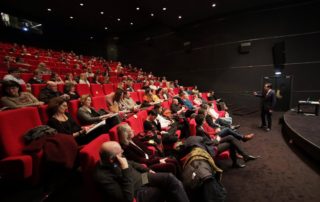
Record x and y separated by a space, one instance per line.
214 61
57 38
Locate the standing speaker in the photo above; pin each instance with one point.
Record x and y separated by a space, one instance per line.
279 55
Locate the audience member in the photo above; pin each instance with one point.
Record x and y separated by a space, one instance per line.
60 120
14 75
51 91
12 97
37 77
122 180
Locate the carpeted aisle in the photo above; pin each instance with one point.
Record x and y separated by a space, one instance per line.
282 174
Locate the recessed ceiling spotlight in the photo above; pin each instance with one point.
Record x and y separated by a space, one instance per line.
49 9
101 12
105 28
152 14
71 17
131 23
213 5
118 19
138 8
81 4
179 16
164 8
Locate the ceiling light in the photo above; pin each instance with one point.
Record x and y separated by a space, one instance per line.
179 16
105 28
25 29
49 9
118 19
164 8
91 37
152 14
138 8
131 23
71 17
213 5
101 12
81 4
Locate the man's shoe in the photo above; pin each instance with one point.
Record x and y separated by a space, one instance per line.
250 158
238 165
267 129
263 127
247 137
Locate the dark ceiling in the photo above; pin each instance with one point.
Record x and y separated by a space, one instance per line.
88 18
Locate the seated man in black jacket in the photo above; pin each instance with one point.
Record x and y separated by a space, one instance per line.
121 180
51 91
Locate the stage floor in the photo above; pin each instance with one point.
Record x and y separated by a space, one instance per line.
305 130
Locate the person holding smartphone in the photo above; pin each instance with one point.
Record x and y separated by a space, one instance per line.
121 180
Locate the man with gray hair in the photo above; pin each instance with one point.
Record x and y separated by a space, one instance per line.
51 91
121 180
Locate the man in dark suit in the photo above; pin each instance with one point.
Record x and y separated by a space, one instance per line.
268 101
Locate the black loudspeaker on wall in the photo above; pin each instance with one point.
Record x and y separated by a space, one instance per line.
187 46
279 55
244 47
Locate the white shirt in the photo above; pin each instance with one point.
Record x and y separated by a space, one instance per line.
213 113
164 123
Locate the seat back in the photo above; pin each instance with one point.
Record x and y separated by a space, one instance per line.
83 89
137 86
205 95
142 115
141 94
193 130
43 114
108 88
113 132
89 157
136 124
61 87
135 96
96 90
99 103
26 76
11 136
36 88
73 109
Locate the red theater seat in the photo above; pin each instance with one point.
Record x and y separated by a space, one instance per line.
73 109
137 86
14 164
26 76
135 96
99 103
114 133
43 114
83 89
36 88
136 124
89 157
96 90
108 88
61 87
193 125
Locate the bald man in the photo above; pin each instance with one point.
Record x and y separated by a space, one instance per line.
122 181
51 91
